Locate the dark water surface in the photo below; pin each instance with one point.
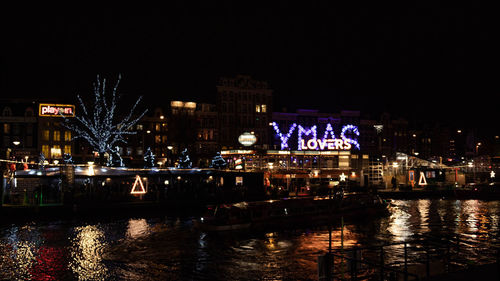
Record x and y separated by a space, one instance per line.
169 248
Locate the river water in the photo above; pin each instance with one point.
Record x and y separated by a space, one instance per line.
171 248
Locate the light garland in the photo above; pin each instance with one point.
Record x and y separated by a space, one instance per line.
303 131
329 129
329 141
96 126
284 138
354 130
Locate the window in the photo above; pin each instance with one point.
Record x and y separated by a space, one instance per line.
46 137
55 151
263 108
6 128
257 108
157 127
67 136
45 150
139 127
7 111
28 112
29 141
67 149
29 130
57 135
157 139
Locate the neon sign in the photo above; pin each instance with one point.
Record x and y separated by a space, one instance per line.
56 110
307 137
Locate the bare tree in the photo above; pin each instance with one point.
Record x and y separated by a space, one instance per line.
96 124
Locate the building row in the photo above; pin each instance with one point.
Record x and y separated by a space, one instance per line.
306 138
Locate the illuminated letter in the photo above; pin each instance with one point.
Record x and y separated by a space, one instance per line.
329 129
302 144
354 130
347 145
338 144
284 138
331 145
322 144
312 144
302 131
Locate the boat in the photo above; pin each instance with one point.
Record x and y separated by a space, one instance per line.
288 212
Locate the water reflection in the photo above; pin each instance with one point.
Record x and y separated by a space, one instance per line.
86 253
137 228
171 249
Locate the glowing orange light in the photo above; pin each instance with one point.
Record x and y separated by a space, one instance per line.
136 190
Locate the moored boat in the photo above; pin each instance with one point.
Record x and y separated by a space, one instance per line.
289 212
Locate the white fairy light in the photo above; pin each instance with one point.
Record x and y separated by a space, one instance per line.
96 126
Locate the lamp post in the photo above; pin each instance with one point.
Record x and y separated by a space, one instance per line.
169 155
16 143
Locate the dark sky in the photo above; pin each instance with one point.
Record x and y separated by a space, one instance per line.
434 63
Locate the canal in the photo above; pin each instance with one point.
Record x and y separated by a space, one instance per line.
171 248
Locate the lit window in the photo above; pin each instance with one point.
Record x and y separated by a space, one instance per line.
45 150
57 135
55 151
46 136
139 127
257 108
67 136
6 128
263 108
67 149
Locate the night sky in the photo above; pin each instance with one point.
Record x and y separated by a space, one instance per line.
431 63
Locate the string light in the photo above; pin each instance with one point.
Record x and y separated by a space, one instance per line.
328 129
284 138
353 130
305 132
96 126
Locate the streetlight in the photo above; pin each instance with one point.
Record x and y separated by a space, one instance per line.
169 154
16 143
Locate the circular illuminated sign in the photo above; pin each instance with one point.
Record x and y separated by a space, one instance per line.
247 139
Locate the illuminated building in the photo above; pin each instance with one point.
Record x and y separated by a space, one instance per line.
54 139
18 133
244 105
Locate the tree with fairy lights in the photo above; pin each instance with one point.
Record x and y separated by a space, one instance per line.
67 159
97 123
115 159
41 161
184 160
218 162
149 158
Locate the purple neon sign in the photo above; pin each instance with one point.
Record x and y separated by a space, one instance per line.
307 137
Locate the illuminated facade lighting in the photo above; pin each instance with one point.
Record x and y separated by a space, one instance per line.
307 138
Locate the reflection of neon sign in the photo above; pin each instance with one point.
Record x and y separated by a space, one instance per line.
307 138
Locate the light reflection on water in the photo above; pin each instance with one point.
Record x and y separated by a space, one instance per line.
164 248
86 253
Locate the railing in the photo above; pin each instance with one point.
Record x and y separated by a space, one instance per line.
416 259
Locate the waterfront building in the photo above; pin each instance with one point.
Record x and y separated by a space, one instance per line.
19 130
244 105
54 139
207 133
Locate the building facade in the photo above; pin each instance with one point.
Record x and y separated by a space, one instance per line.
244 105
